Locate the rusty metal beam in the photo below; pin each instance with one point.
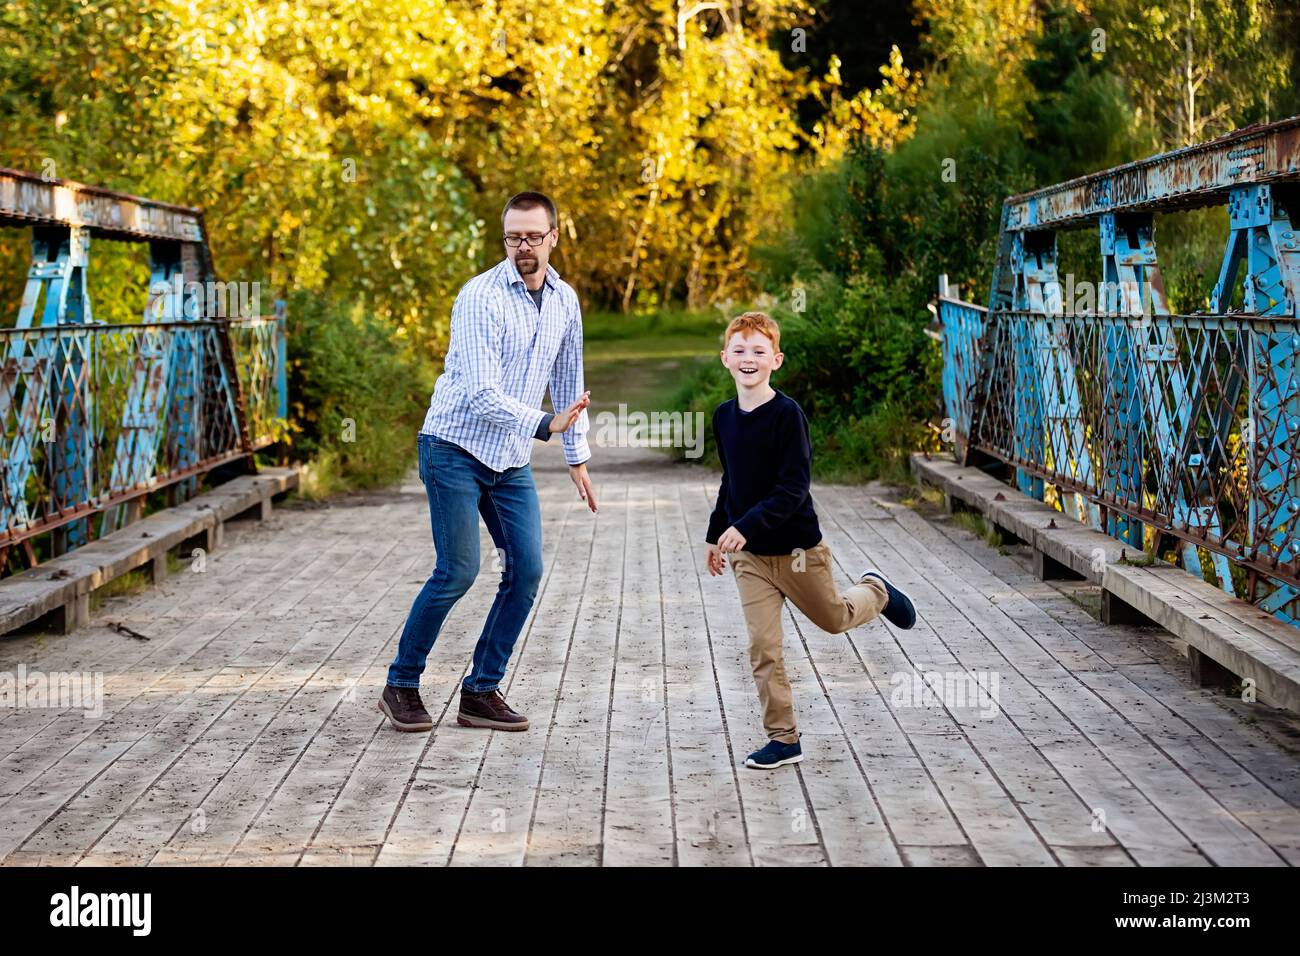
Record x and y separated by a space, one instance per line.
30 200
1165 429
1200 175
93 417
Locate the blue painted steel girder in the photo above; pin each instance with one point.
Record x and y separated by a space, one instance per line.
1204 409
174 395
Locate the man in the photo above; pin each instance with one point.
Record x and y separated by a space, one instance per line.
514 329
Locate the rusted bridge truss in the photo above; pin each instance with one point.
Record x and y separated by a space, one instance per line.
1160 429
97 416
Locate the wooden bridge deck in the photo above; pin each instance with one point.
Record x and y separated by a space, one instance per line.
244 731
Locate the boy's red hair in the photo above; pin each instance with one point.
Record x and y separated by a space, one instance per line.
754 322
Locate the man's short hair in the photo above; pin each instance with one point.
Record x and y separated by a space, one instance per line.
754 322
530 200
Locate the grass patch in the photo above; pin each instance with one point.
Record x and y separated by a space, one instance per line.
665 324
1089 600
981 528
133 582
688 347
641 377
969 521
920 496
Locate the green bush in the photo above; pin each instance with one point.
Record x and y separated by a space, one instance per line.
357 397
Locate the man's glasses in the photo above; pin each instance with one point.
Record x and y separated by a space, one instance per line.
533 240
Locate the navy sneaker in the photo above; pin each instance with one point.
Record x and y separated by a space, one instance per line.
900 611
775 754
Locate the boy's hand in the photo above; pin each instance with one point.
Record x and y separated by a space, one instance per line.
714 559
731 540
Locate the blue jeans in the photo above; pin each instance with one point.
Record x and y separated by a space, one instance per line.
460 488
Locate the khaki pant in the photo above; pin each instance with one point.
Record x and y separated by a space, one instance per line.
807 579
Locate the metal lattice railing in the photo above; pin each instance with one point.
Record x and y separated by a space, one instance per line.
259 346
95 416
1160 429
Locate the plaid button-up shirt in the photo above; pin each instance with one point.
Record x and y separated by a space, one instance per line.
502 356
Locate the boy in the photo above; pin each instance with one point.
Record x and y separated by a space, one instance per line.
765 520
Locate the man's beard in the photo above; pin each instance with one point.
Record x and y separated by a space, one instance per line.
526 267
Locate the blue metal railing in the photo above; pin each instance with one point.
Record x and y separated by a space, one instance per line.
95 416
1167 431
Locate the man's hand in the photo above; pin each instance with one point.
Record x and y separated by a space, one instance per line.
714 559
566 418
578 473
731 540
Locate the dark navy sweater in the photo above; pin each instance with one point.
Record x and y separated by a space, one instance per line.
766 473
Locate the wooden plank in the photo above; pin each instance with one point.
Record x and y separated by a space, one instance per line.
175 704
254 704
284 826
1146 664
371 808
1003 826
26 596
1254 805
378 607
1236 639
566 828
185 669
495 827
82 650
839 788
1259 756
159 613
1186 608
144 606
1185 803
639 828
710 822
945 856
1033 711
282 659
1034 601
431 810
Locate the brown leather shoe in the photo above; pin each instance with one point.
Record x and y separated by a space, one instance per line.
404 708
488 709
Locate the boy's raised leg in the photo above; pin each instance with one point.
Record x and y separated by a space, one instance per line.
814 592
